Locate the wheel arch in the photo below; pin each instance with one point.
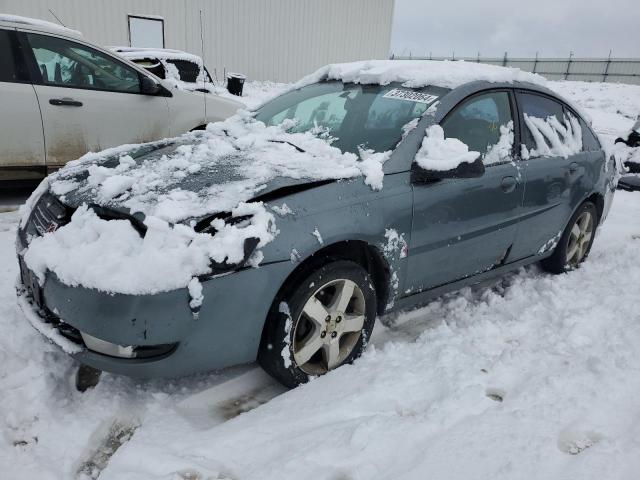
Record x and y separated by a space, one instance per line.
364 254
598 200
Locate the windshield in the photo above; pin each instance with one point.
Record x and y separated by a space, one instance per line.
356 116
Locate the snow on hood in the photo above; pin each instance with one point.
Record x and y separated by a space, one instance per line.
204 173
198 175
419 73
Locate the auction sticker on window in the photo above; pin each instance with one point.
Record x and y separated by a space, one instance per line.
410 95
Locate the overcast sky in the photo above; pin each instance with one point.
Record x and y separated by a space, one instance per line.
522 28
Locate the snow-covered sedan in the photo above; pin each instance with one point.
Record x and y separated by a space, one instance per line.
281 234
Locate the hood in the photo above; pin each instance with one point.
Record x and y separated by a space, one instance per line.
204 173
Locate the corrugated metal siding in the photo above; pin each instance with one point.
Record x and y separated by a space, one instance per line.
614 70
278 40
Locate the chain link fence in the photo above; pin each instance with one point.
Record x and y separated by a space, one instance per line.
614 70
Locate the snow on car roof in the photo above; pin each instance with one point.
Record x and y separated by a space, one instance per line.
419 73
35 22
132 53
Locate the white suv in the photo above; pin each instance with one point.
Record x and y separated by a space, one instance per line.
62 97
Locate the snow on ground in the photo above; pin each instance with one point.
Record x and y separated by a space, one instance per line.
536 376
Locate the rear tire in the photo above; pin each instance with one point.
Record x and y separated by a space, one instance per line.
319 322
576 241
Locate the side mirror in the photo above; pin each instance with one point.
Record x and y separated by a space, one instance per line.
148 86
463 170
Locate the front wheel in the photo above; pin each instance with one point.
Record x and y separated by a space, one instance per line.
576 241
321 321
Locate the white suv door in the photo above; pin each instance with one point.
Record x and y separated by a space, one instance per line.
21 138
90 100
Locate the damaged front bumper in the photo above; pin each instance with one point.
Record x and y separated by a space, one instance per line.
155 335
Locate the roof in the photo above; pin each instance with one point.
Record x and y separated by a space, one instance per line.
37 24
136 53
420 73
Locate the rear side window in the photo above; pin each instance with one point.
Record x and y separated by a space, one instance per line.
10 70
64 63
549 129
485 124
589 140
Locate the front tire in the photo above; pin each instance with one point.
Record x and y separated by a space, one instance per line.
576 241
319 322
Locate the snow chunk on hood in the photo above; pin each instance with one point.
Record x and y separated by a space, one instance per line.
419 73
443 154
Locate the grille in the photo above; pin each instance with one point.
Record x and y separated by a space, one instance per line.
48 215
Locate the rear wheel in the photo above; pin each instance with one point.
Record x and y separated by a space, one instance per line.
323 320
576 241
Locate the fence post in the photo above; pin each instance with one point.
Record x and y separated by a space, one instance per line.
566 75
504 60
535 63
606 69
478 61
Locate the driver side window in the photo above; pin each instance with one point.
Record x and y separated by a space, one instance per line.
485 124
64 63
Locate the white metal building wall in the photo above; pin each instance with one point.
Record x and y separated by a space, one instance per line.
278 40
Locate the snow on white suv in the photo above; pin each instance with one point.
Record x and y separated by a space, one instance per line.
62 97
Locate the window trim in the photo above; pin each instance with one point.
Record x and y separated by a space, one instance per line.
144 17
515 151
36 76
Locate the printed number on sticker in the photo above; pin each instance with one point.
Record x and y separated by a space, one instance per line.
410 95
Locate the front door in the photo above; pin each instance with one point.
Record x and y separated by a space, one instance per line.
464 226
90 101
21 137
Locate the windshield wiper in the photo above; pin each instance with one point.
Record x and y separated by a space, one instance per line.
294 146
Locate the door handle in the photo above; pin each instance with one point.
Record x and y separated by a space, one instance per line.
573 167
65 102
508 184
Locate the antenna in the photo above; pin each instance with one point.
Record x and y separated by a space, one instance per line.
56 17
204 95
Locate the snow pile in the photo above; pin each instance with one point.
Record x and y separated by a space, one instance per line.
501 150
122 261
554 139
419 73
442 154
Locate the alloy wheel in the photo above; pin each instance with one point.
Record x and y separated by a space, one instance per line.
329 326
579 239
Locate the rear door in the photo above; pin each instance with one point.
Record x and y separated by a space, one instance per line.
90 100
551 192
21 138
465 226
